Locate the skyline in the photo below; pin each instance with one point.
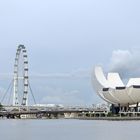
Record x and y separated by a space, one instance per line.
67 38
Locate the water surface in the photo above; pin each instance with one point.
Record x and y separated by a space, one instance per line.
69 130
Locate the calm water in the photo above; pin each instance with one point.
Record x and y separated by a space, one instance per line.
69 130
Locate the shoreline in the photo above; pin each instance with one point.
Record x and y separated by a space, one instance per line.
83 118
111 118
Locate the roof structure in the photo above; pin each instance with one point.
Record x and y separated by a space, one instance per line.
111 88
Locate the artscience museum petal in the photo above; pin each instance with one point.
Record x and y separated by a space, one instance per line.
111 88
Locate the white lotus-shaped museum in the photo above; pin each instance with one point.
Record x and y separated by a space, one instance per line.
112 89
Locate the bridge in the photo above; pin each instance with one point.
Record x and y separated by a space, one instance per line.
47 112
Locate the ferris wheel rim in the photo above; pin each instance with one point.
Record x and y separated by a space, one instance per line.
21 50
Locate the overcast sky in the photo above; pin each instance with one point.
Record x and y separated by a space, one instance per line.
65 39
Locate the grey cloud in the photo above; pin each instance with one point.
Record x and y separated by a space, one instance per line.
61 96
79 73
126 62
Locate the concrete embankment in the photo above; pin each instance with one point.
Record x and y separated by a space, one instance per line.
110 118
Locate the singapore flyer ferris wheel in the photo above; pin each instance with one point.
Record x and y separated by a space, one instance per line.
21 81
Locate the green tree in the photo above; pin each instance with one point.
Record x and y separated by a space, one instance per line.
1 106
